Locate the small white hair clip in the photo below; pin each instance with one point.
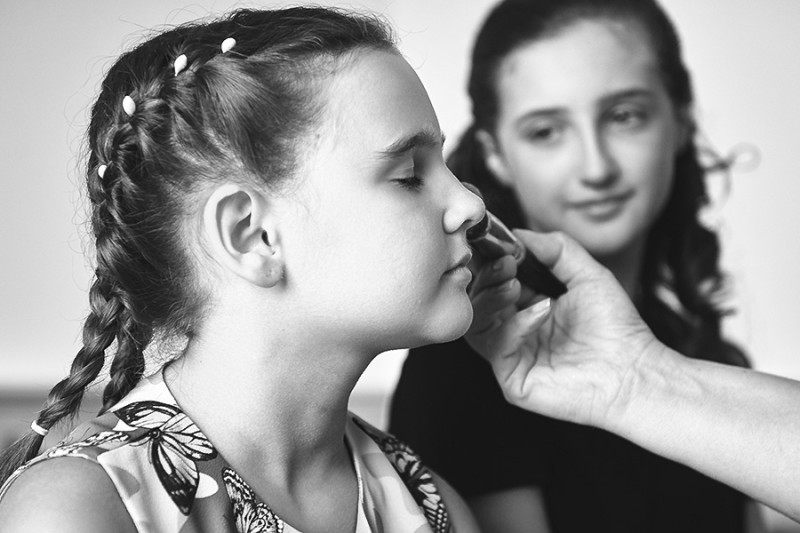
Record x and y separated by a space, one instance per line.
180 63
227 44
39 430
101 171
128 105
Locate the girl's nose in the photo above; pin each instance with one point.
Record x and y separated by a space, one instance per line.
465 208
599 167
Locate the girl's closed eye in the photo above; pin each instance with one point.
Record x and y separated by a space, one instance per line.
411 183
409 176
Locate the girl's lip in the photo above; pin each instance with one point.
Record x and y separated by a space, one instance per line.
462 262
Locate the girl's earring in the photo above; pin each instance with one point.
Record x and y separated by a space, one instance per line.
274 267
265 238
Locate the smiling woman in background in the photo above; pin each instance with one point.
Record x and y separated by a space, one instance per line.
582 123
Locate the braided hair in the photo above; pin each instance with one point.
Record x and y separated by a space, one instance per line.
176 114
681 282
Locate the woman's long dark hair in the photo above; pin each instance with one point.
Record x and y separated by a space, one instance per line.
681 282
159 135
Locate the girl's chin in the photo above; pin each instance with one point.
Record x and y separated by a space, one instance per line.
458 329
452 330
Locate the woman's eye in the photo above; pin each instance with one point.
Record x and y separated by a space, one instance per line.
627 118
543 134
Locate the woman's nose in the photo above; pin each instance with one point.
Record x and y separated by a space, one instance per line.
465 209
599 166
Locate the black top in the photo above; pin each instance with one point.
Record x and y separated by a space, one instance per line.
450 410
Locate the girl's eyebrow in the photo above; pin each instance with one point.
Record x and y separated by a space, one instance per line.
422 138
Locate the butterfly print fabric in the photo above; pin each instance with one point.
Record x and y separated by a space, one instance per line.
171 479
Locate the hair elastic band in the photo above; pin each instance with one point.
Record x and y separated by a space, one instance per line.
227 44
38 429
180 63
128 105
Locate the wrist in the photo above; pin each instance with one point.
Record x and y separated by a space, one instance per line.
650 369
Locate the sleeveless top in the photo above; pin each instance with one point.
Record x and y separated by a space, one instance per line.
171 478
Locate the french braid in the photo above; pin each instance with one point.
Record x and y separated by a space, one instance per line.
225 99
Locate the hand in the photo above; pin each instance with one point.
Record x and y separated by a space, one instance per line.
574 358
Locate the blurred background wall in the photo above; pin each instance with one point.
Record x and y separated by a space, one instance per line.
744 56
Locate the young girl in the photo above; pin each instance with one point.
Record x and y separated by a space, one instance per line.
583 123
269 187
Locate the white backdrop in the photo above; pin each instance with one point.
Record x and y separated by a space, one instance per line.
744 55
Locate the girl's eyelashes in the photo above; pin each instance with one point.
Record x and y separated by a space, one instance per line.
411 173
412 183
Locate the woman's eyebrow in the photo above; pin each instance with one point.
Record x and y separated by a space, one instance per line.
628 93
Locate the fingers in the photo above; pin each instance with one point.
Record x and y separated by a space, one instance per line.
520 327
494 306
546 246
504 338
564 256
494 293
492 274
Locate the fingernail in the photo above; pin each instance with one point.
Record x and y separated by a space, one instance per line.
508 285
538 310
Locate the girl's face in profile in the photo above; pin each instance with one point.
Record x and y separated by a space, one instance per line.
586 134
379 248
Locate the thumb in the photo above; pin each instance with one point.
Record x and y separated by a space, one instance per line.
511 334
563 255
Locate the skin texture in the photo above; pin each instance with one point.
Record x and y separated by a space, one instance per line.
586 135
590 359
364 252
381 210
62 495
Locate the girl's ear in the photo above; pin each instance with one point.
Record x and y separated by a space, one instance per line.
241 234
494 160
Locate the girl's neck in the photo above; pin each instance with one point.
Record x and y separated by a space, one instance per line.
276 412
268 405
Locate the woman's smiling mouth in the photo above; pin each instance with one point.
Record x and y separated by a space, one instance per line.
602 208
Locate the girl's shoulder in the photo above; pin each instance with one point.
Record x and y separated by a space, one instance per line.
86 443
105 465
62 493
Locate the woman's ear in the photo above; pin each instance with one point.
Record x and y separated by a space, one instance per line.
684 119
242 235
494 160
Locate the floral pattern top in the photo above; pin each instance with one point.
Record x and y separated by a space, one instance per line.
171 478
